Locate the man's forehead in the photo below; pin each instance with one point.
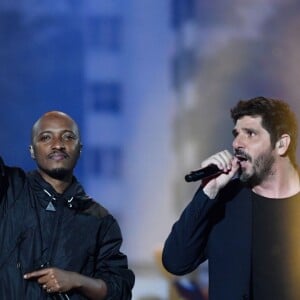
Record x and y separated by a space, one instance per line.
54 122
249 121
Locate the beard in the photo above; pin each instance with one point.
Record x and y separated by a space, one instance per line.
262 167
57 173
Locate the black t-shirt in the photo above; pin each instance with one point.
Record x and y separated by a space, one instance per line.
276 248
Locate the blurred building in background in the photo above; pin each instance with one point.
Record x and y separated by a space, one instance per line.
127 126
104 103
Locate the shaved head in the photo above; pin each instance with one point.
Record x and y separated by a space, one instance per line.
52 115
55 145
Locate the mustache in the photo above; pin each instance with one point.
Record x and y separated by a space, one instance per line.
242 155
65 154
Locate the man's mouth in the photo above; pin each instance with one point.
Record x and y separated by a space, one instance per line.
58 155
242 156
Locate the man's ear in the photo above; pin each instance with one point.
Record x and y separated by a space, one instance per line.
80 147
31 152
282 144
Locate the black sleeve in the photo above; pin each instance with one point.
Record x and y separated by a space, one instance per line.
12 182
2 178
111 265
185 247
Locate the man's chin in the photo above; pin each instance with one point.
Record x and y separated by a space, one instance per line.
244 177
58 173
250 180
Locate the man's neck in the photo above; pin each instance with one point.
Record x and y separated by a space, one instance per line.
284 182
59 185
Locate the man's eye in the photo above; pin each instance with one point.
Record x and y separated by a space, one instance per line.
69 137
250 133
44 138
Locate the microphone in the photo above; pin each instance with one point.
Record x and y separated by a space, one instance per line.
209 171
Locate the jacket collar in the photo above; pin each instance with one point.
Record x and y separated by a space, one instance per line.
73 197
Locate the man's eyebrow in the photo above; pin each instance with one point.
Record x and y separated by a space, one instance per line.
62 131
70 131
42 132
53 132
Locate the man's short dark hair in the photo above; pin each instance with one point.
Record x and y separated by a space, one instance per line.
277 118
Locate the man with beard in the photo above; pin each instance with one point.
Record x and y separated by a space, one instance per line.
246 219
57 242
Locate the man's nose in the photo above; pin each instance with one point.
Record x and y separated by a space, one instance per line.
58 143
237 142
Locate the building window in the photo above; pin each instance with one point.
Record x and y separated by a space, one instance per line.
106 96
184 67
106 161
182 11
104 33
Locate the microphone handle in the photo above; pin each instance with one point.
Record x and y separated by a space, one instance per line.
209 171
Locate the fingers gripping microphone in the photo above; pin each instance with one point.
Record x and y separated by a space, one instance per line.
209 171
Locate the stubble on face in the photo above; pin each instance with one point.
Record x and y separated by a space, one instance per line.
56 173
63 171
262 167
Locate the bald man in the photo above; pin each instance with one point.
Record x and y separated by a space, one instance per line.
57 242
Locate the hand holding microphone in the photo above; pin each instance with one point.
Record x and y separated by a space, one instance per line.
216 171
206 172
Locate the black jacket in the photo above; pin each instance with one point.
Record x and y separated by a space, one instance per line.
40 228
